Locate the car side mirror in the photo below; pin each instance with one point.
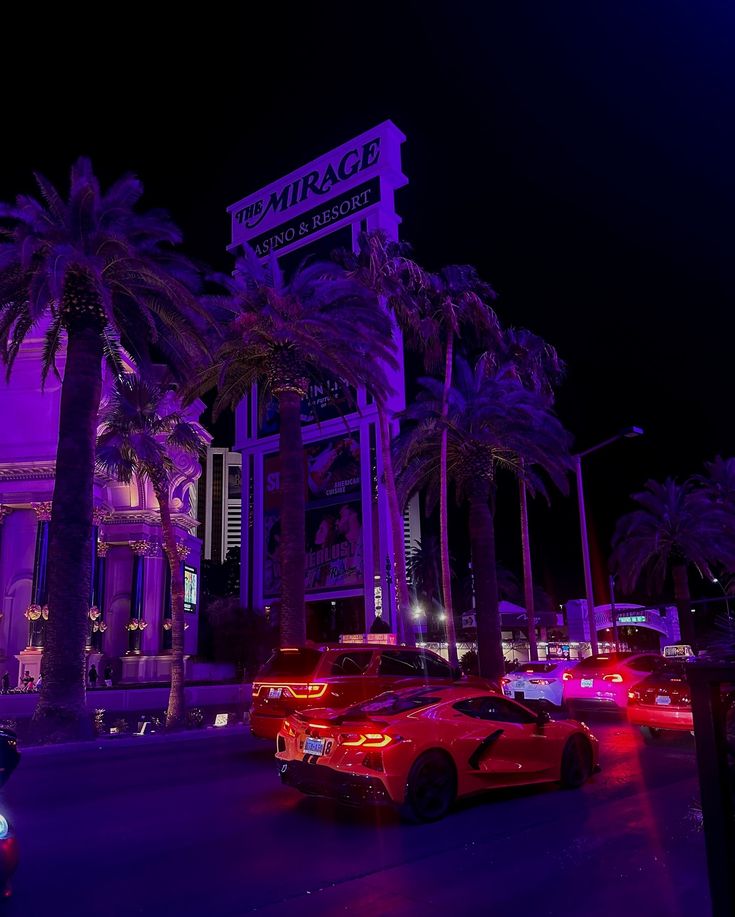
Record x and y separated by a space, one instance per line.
542 718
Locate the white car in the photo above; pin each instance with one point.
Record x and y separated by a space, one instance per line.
539 681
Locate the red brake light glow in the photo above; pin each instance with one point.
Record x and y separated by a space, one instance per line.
288 729
505 681
617 679
299 691
567 676
304 692
540 681
365 740
633 696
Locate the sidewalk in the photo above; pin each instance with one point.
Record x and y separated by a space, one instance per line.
134 698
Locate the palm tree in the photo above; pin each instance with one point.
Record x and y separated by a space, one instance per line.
456 300
386 268
141 428
535 364
99 274
423 566
283 336
491 426
677 526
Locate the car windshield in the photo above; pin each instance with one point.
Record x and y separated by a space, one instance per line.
392 703
591 663
670 671
534 667
291 663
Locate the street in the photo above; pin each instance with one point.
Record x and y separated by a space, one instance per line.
199 824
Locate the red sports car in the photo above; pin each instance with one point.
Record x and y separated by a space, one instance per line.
421 748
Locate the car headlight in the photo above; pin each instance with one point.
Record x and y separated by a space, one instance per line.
4 827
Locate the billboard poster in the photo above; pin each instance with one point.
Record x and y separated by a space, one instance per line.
333 545
325 401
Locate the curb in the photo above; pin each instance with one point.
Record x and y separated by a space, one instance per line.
102 743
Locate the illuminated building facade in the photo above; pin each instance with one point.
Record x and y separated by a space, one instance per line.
130 596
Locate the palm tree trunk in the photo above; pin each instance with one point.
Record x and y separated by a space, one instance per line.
404 628
683 603
482 543
176 703
527 573
443 511
293 523
61 710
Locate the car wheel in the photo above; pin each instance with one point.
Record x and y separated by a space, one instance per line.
431 787
650 734
576 763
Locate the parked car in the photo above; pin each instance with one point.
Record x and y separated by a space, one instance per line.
604 680
419 749
337 675
661 701
538 681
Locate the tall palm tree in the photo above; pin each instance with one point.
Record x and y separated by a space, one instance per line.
491 426
456 301
100 274
677 526
141 429
283 336
525 357
386 268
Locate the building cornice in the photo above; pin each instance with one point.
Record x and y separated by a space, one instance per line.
27 471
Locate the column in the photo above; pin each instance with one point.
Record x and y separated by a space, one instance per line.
37 611
97 610
137 623
156 565
97 582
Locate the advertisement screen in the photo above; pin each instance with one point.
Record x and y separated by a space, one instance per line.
190 589
333 545
325 401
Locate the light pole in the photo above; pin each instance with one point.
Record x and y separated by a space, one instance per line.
614 614
627 433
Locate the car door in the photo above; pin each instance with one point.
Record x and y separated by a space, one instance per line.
499 742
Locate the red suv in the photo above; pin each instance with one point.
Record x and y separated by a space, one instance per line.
337 676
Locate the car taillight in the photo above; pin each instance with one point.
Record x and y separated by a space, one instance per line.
540 681
685 700
617 679
306 692
256 689
504 681
365 740
567 676
288 729
633 697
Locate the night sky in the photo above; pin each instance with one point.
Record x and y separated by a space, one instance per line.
579 154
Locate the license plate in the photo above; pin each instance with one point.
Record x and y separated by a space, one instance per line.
663 699
274 693
587 682
314 747
519 695
507 692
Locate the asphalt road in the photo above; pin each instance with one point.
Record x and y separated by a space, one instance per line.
200 825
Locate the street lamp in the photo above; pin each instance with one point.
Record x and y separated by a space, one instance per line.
627 433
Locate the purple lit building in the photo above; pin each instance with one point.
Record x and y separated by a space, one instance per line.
130 596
